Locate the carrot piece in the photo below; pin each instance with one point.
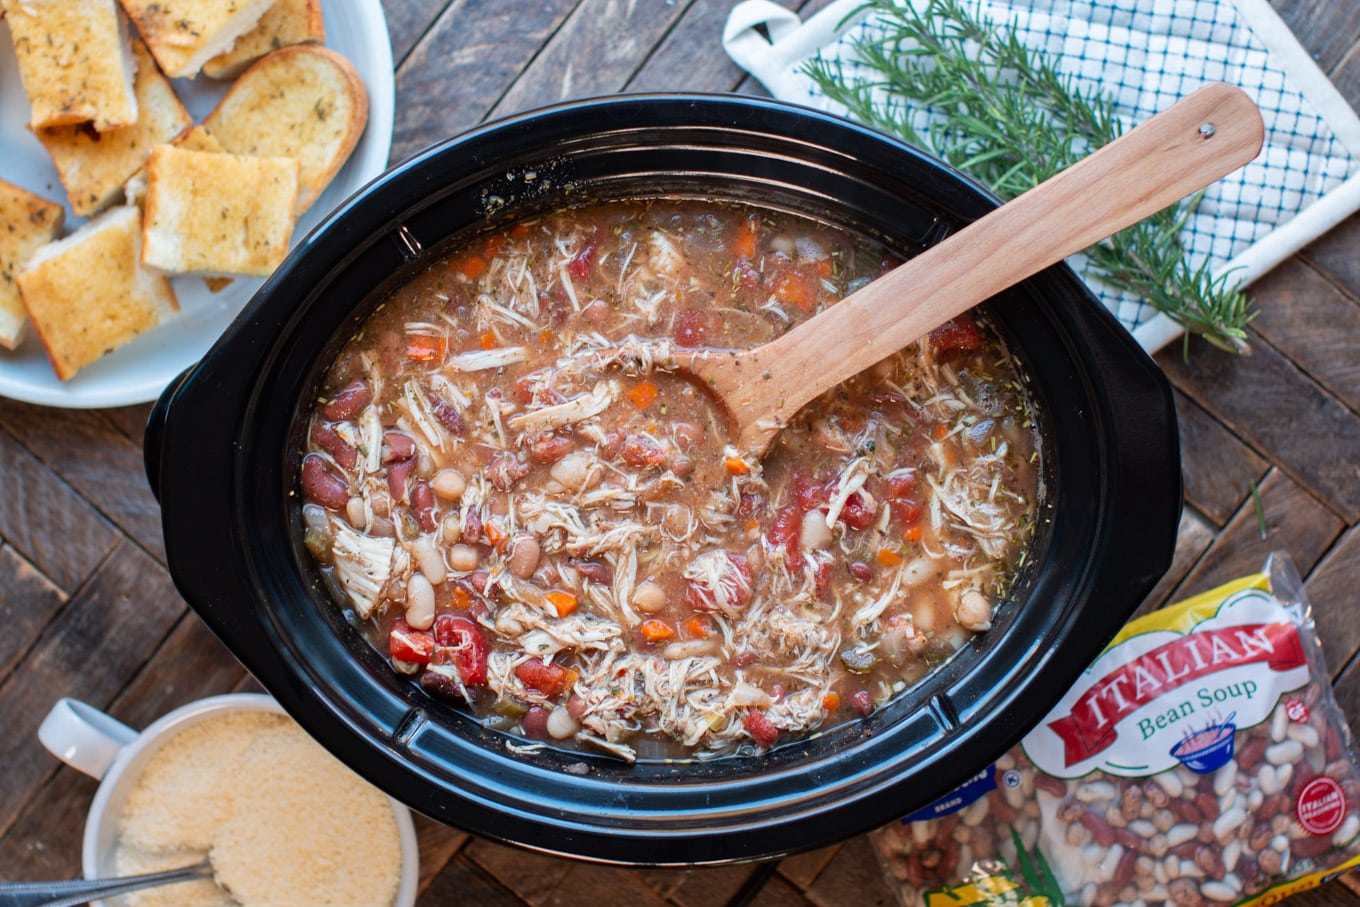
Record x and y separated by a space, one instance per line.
494 534
470 266
643 394
487 340
564 602
941 431
655 629
427 347
744 244
913 534
462 599
831 701
736 466
888 557
697 626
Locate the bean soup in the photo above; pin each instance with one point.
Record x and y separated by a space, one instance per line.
528 513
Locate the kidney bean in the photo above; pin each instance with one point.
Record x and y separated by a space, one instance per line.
322 485
594 571
762 730
422 504
397 474
328 439
446 415
397 446
1099 828
535 723
349 402
463 644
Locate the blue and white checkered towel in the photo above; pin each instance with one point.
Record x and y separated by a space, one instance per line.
1144 55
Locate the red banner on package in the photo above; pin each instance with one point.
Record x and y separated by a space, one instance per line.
1091 725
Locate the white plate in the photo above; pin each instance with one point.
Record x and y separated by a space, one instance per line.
139 371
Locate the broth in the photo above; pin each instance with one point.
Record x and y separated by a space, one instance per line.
530 516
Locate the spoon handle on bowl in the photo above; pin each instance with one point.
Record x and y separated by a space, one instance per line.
80 891
1172 155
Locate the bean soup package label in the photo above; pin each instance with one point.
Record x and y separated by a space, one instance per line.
1200 760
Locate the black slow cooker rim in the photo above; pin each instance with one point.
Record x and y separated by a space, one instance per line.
381 736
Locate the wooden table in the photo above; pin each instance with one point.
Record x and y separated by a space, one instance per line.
88 610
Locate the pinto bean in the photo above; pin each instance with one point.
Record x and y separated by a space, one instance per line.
524 555
505 471
550 448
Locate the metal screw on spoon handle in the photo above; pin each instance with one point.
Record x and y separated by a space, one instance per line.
80 891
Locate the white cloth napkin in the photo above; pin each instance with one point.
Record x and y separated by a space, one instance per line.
1144 54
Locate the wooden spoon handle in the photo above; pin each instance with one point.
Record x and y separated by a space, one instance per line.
1198 140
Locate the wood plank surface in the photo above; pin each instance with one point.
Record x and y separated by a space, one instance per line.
89 610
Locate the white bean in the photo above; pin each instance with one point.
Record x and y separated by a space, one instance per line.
1226 825
1231 852
356 513
1110 861
1142 828
648 597
464 558
1255 799
419 602
974 611
451 530
1305 734
1095 791
449 484
1266 780
917 571
430 560
1348 830
561 725
573 471
1171 783
1279 723
814 532
689 648
1284 753
1224 778
1218 891
1181 833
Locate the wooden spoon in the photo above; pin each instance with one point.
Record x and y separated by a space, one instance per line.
1180 151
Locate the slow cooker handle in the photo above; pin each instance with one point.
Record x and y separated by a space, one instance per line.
153 436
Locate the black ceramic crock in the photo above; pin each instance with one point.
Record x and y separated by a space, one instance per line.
223 444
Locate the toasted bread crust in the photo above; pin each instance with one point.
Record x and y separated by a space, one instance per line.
185 34
88 295
286 23
210 213
75 62
306 102
94 166
27 222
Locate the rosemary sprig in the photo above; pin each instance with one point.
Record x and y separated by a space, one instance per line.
1008 118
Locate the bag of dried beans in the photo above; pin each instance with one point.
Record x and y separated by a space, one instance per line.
1201 760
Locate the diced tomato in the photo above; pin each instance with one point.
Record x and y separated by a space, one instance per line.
463 644
905 512
745 276
582 262
761 729
808 493
691 328
858 512
408 645
821 578
548 678
959 335
902 485
785 531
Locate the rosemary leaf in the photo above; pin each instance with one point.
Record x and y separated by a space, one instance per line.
1004 115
